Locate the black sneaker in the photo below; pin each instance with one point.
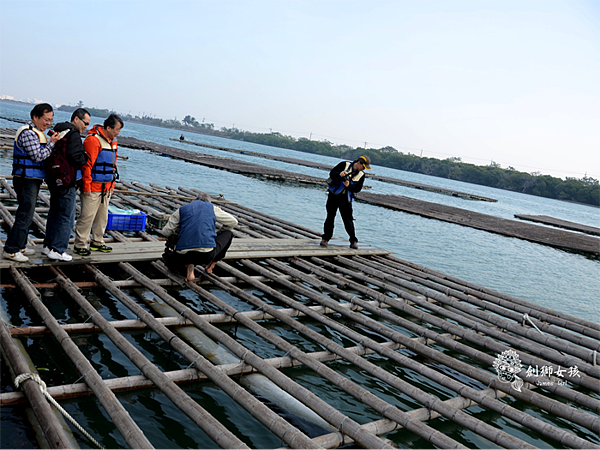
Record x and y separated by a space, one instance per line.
82 251
354 245
100 248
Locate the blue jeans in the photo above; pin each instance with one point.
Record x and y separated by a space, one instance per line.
61 219
27 191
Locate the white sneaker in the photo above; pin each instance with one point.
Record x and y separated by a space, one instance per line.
59 257
46 250
28 251
19 257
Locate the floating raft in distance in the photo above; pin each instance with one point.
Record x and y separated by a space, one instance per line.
7 135
559 223
513 228
317 165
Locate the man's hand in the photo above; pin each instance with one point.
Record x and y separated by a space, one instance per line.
88 193
55 138
346 183
343 173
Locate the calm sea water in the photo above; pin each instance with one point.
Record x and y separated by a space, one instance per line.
553 278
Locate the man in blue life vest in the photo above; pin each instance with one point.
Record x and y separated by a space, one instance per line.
345 181
63 168
192 238
30 149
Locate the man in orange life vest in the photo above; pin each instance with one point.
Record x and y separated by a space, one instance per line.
98 177
31 148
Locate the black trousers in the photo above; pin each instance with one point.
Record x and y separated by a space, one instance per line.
176 261
335 202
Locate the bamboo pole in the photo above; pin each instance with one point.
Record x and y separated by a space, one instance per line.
496 296
545 319
178 197
324 410
138 205
348 386
118 414
131 192
278 230
164 203
178 376
545 346
242 231
52 429
136 324
479 427
257 409
440 378
472 336
254 216
212 427
279 226
480 302
543 402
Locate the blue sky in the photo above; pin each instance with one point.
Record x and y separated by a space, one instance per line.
511 81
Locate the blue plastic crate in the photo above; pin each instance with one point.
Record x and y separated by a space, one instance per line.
126 222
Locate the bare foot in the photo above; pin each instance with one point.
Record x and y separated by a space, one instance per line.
210 268
190 272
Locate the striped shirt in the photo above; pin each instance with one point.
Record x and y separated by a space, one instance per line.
30 142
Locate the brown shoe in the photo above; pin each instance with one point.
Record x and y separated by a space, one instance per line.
324 243
354 245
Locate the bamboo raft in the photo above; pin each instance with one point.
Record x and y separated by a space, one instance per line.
443 337
317 165
559 223
564 240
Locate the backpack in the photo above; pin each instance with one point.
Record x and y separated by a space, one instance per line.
59 173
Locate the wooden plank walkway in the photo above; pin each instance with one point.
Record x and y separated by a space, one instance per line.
534 233
250 248
559 223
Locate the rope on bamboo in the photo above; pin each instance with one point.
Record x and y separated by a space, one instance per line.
35 377
528 319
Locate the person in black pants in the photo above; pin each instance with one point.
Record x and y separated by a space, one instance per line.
345 181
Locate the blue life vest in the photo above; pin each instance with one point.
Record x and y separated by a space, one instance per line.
197 226
339 188
104 169
23 165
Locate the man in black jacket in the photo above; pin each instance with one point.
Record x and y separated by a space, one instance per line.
62 171
345 181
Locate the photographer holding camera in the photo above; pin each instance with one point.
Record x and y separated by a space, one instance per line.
345 181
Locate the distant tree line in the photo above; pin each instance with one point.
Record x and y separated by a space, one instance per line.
582 190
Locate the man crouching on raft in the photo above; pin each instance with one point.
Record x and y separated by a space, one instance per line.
192 238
